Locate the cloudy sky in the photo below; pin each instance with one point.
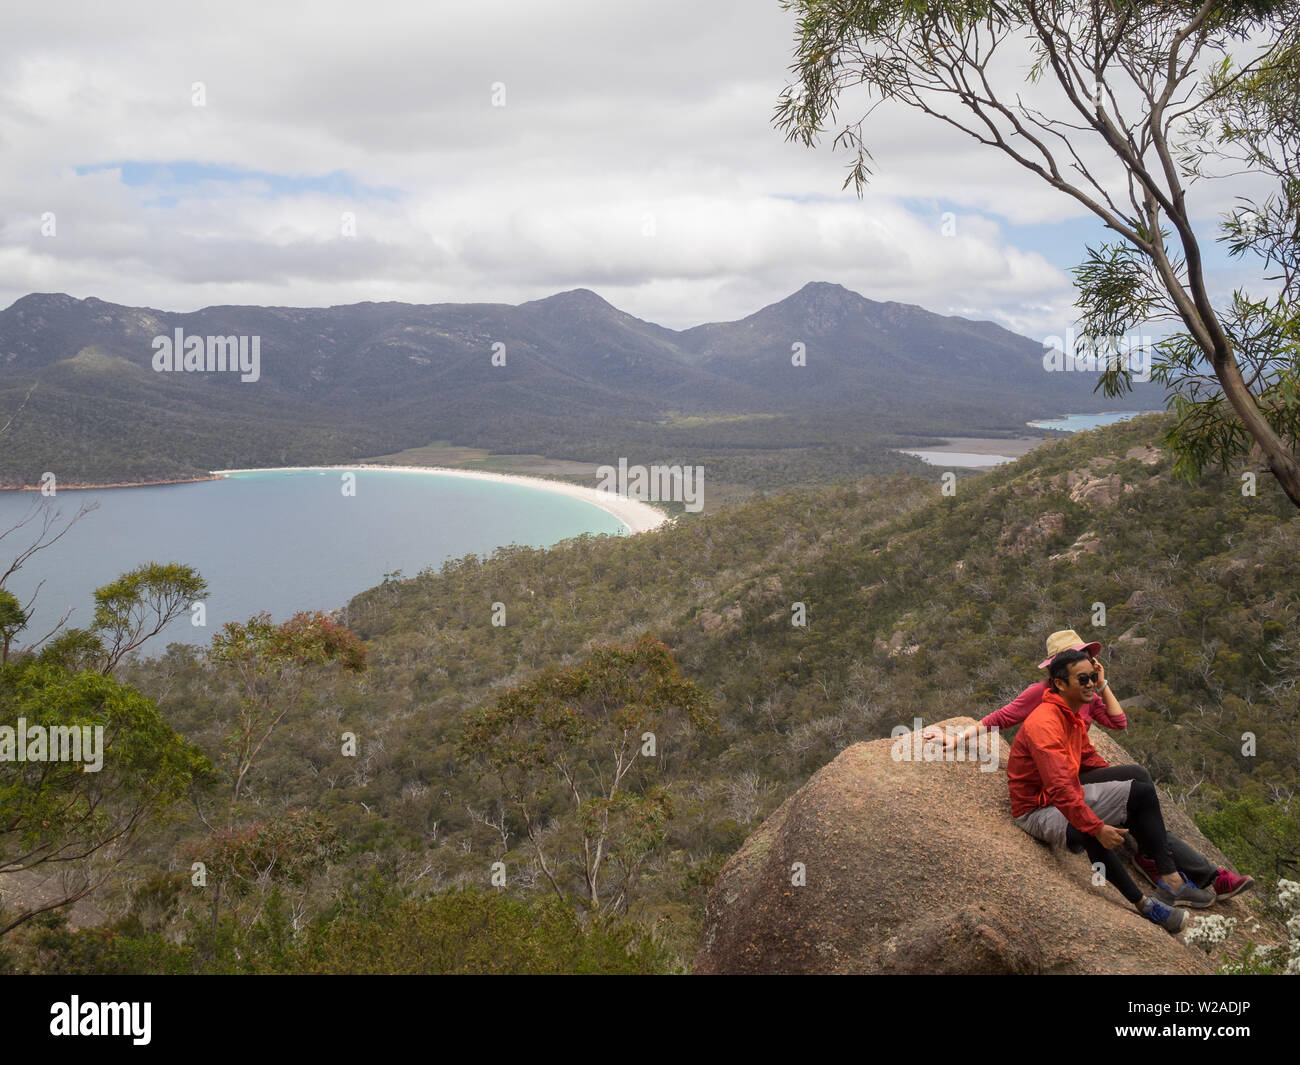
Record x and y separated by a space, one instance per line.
495 152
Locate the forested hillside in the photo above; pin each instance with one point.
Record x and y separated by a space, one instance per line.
915 604
815 388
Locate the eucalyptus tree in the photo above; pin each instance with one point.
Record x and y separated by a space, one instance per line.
1121 105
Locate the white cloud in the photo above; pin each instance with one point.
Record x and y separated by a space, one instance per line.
634 156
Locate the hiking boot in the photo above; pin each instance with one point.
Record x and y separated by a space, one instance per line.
1147 867
1187 895
1227 883
1170 918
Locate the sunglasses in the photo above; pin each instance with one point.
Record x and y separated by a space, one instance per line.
1085 679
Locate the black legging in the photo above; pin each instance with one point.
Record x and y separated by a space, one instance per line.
1148 827
1190 862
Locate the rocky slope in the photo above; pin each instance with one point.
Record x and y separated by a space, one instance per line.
915 866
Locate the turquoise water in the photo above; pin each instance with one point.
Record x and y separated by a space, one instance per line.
1075 423
279 541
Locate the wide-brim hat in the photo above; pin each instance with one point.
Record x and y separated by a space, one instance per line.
1067 640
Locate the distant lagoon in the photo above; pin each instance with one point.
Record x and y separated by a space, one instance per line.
279 541
1067 423
963 459
1076 423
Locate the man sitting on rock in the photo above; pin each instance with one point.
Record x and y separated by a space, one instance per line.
1050 803
1104 710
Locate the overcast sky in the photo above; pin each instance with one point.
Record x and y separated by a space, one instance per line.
634 155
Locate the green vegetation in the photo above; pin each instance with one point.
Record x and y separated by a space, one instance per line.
86 762
588 738
918 605
473 932
56 815
461 932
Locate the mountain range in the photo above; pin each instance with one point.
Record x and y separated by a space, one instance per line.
568 376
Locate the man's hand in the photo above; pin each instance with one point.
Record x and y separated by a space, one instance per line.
934 734
1101 672
1111 837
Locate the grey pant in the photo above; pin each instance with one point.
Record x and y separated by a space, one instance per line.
1108 799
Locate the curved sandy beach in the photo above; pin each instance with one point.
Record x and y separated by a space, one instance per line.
638 517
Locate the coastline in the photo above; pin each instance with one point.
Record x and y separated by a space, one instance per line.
78 486
638 517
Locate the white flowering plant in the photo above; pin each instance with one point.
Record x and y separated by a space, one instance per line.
1210 933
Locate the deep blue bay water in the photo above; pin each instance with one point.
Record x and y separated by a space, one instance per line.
279 541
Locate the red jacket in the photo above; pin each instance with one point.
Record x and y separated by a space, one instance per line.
1049 752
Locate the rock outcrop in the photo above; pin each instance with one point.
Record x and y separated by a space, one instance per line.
1017 539
884 865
